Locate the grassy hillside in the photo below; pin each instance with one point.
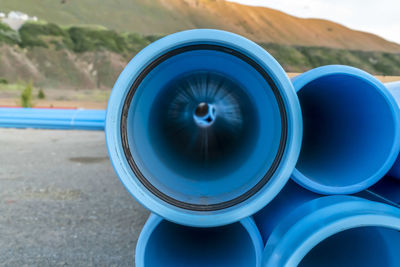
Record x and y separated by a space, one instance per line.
91 57
161 17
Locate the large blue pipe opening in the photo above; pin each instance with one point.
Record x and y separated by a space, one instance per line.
359 247
163 243
351 130
304 229
203 127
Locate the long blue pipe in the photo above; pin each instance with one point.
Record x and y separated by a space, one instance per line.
351 129
301 228
203 127
42 118
162 243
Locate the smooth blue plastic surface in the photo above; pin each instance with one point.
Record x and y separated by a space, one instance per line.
162 243
41 118
304 229
208 160
388 188
351 130
394 89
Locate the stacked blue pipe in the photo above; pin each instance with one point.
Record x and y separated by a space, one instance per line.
351 133
44 118
394 89
389 187
204 129
163 243
302 228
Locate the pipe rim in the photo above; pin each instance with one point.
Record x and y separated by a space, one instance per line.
200 207
302 80
338 213
154 220
176 214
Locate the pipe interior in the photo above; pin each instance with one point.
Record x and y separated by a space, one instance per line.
174 245
200 132
358 247
348 130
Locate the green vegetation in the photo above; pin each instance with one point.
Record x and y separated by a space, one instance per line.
92 57
76 39
40 34
292 58
7 35
26 96
300 58
90 39
41 94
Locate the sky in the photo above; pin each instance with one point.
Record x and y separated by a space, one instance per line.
379 17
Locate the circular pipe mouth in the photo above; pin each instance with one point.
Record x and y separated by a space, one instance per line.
190 137
336 231
163 243
350 133
361 246
194 149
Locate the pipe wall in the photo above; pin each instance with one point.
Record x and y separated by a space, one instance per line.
162 243
394 89
351 130
303 229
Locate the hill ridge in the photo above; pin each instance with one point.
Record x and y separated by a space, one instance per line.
261 24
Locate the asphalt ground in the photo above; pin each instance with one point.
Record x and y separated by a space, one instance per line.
61 204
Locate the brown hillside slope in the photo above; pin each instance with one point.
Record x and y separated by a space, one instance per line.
167 16
272 26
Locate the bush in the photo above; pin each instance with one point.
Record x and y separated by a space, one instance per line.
26 96
8 35
3 81
87 39
32 34
41 94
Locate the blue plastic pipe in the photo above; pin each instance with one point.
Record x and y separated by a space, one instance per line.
388 188
394 89
351 130
203 127
41 118
303 229
162 243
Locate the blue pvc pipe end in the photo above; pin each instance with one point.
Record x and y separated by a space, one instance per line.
162 243
336 231
203 127
351 130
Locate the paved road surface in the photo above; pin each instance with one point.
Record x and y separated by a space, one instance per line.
61 203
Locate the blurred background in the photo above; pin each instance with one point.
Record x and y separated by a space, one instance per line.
68 53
